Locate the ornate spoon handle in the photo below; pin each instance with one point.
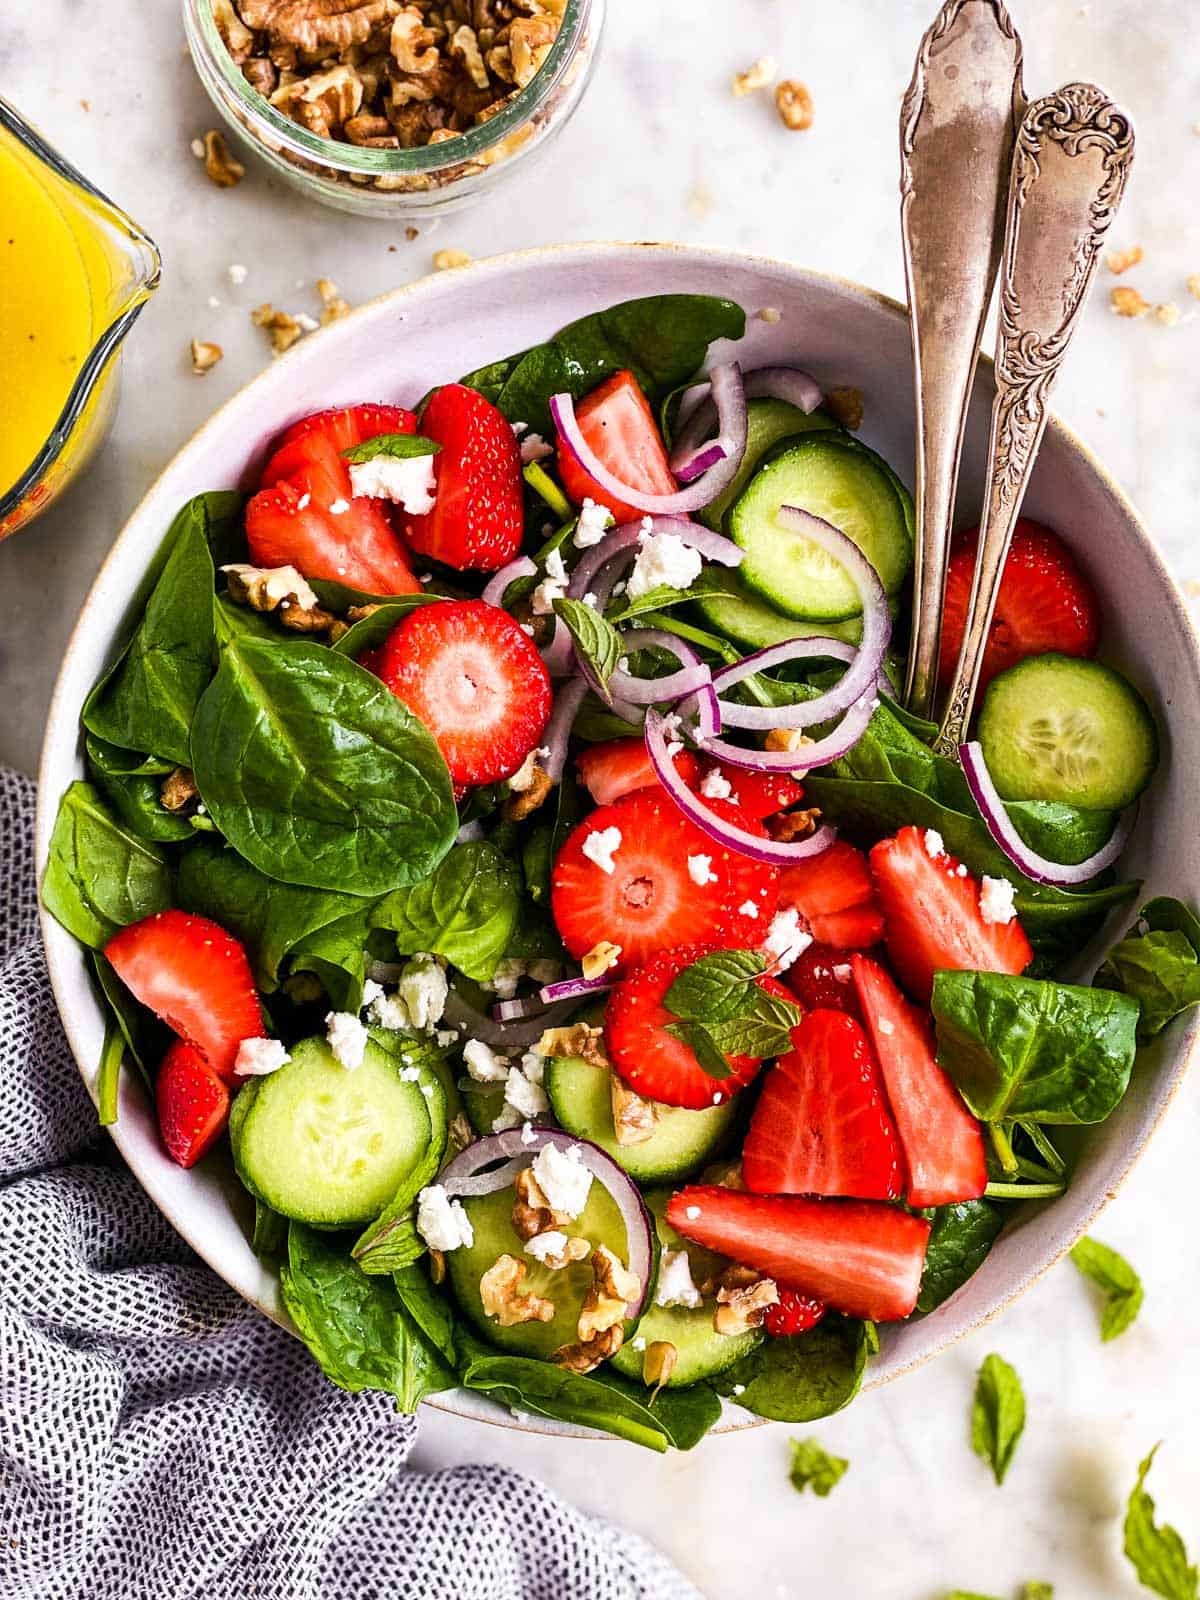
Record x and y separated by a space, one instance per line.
957 127
1073 154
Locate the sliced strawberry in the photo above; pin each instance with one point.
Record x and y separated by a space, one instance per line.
619 766
835 897
857 1256
822 1124
357 546
932 920
943 1143
821 977
194 976
618 424
347 426
476 681
479 515
1044 603
792 1313
760 794
192 1102
653 1062
658 893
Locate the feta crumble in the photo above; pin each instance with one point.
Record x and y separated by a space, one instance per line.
663 558
423 990
237 272
691 1213
748 909
886 1027
600 846
507 1117
935 845
256 1057
528 1133
534 448
372 991
843 972
508 974
675 1286
996 900
714 785
700 870
551 1243
339 507
594 522
562 1178
483 1064
638 1344
406 481
442 1222
533 1066
347 1038
786 940
524 1095
522 778
388 1011
552 587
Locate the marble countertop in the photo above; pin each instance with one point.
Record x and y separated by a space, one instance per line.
660 149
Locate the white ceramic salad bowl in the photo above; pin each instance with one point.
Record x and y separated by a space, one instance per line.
393 350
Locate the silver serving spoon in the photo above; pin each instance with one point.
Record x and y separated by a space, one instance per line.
1073 153
958 124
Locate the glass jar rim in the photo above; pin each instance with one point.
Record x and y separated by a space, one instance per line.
363 161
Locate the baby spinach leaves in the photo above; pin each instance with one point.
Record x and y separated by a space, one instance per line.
1158 963
814 1468
370 632
1155 1551
1117 1282
316 773
803 1377
134 796
724 1013
959 1239
467 911
997 1415
1028 1049
99 877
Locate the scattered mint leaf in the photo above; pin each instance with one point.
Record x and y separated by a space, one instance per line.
594 637
1157 1553
1116 1280
403 445
700 1041
814 1468
755 1035
997 1415
716 987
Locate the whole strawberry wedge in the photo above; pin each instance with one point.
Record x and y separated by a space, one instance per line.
478 517
618 424
759 794
821 977
835 897
192 1103
619 766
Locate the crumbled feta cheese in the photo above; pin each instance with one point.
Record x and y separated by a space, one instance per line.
339 507
996 900
523 1095
551 1243
555 567
886 1027
594 522
663 558
522 778
256 1057
747 909
960 871
505 1119
519 428
738 1389
508 974
591 600
785 940
675 1286
714 785
213 303
534 448
528 1133
445 1037
843 972
552 587
482 1062
691 1213
388 1011
237 272
562 1178
347 1038
305 500
638 1344
717 1098
935 845
410 1074
533 1066
700 870
423 990
372 991
442 1222
307 323
278 583
406 481
600 846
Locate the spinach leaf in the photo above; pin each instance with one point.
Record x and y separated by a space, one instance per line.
112 760
1117 1282
232 621
218 513
428 1309
337 954
467 911
997 1415
317 774
108 1077
800 1378
544 843
134 796
147 700
370 632
662 339
959 1239
1034 1050
1158 963
596 641
358 1328
146 1038
100 877
814 1468
401 445
270 1238
1156 1552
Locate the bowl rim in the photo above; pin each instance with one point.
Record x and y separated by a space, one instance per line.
1186 1046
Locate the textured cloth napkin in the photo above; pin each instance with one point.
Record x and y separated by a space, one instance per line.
160 1438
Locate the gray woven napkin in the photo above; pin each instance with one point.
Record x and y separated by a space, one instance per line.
160 1438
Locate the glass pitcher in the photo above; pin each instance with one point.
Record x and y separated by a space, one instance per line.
74 274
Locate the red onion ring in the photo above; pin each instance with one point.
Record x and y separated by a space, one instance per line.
499 1035
532 1005
568 698
496 586
772 852
1004 833
818 754
558 656
575 989
625 537
695 423
693 675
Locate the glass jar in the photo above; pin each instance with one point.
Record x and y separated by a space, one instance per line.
429 179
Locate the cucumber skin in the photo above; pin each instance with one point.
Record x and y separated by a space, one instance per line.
770 424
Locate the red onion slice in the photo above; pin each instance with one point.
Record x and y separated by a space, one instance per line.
559 655
495 588
693 466
499 1035
818 754
698 415
693 675
771 851
1003 831
625 538
531 1005
568 698
493 1162
575 989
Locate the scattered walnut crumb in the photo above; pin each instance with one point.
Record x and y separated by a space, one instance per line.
532 1213
500 1292
85 105
794 104
769 314
1168 314
658 1364
461 1132
606 1305
220 163
580 1039
587 1354
575 1249
445 260
1127 302
600 959
411 233
847 406
789 825
786 739
437 1266
1118 261
634 1119
282 328
523 803
757 76
332 304
742 1305
178 790
1193 285
205 355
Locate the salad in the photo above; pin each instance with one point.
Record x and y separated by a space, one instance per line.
503 837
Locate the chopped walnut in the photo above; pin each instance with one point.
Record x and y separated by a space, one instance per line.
283 591
600 959
634 1119
532 1213
178 790
332 304
261 73
607 1302
221 165
1118 261
237 38
1127 302
587 1355
205 355
580 1039
361 613
323 103
1168 314
437 1266
371 132
575 1249
413 45
500 1292
461 1132
445 260
786 739
770 314
789 825
282 328
518 806
529 41
317 28
658 1364
464 44
741 1305
794 104
757 76
847 406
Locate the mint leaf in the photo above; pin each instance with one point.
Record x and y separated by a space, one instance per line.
997 1415
594 637
702 1045
717 987
1116 1280
403 445
755 1036
1158 1555
814 1468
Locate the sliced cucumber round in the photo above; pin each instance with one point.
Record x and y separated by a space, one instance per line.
747 619
1059 728
847 485
581 1097
327 1146
701 1352
767 422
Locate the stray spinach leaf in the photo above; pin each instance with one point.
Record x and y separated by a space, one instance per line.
428 1309
814 1468
146 1038
317 774
370 632
1117 1282
467 911
960 1237
402 445
134 796
1159 967
997 1415
337 955
1034 1050
270 1238
108 1077
801 1378
99 877
1156 1552
595 639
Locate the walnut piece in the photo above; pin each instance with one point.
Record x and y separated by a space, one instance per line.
318 27
237 38
413 45
634 1119
532 1213
437 1266
757 76
283 591
789 825
600 959
323 103
614 1289
794 104
587 1355
178 790
580 1039
464 44
786 739
500 1292
461 1132
1168 314
371 131
446 260
524 803
205 355
847 406
741 1304
1127 302
221 165
1193 285
282 328
332 304
529 41
1118 261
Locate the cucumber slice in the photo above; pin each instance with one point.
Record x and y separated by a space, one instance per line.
326 1146
1059 728
491 1218
767 422
849 486
581 1097
702 1352
749 620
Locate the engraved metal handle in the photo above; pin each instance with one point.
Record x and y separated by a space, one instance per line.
957 128
1073 154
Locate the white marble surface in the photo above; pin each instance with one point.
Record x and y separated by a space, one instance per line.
660 150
